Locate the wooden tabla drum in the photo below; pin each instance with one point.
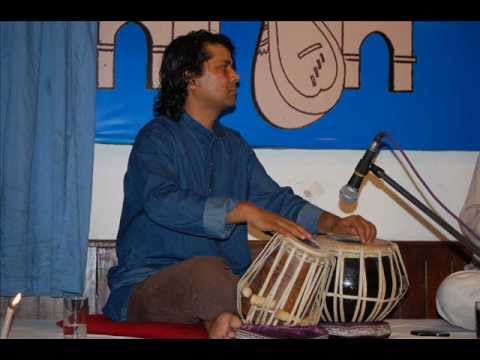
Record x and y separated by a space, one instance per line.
368 279
284 284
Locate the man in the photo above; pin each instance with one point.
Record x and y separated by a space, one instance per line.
191 188
457 294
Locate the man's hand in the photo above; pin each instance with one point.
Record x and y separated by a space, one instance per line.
350 225
264 220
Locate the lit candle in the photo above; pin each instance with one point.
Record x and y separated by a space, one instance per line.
9 315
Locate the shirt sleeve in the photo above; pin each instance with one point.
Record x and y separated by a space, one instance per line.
168 205
267 194
215 214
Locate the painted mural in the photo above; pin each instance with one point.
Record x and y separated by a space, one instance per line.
309 84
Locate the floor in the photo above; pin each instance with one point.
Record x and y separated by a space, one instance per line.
401 328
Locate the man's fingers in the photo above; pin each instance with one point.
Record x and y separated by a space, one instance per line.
297 230
268 221
366 231
371 232
288 228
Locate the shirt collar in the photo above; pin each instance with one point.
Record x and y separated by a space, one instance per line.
190 122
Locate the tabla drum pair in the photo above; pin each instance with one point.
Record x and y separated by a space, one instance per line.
285 284
333 279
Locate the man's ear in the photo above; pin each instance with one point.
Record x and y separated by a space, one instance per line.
189 78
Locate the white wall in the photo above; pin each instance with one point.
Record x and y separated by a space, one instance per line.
318 175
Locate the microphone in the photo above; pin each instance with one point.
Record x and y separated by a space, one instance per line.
349 192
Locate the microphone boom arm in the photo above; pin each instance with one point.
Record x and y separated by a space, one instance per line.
380 173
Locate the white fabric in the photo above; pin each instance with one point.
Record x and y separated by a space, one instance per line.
470 214
456 297
45 329
401 328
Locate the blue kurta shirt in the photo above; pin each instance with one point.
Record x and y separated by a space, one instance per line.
181 182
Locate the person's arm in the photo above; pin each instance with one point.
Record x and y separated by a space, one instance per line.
470 213
246 212
298 216
266 194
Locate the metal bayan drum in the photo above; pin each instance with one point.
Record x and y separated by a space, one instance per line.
369 280
285 285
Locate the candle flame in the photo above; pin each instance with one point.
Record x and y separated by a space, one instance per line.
16 300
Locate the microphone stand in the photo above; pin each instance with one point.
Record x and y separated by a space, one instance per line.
380 173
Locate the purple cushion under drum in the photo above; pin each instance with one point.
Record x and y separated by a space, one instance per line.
281 332
374 329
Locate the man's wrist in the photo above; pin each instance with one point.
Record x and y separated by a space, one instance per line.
240 213
326 222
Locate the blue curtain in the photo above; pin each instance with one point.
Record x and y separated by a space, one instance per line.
47 131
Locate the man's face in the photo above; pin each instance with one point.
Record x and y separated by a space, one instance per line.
217 86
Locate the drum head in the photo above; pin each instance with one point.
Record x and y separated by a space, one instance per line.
307 246
350 242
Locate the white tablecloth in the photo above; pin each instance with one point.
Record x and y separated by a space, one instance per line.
47 329
401 329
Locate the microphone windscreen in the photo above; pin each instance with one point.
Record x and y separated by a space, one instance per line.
348 194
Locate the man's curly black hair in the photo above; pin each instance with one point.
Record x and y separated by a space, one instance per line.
183 59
